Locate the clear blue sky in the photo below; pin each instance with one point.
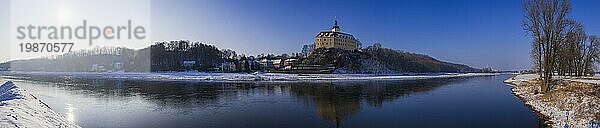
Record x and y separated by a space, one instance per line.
474 32
478 33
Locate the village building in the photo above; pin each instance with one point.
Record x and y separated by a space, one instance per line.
228 67
266 64
188 65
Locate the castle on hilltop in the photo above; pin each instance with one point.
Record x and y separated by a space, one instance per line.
336 39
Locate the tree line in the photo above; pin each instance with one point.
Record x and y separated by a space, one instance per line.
99 58
184 55
169 55
162 56
560 45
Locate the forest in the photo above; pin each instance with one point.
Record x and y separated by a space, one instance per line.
161 56
184 55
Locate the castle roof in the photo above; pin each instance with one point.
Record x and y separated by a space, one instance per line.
335 34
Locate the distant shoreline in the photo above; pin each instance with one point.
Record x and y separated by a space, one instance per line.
240 77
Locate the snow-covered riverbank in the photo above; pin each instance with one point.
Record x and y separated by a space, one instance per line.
20 109
200 76
574 102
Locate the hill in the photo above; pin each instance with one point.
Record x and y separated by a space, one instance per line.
173 56
375 59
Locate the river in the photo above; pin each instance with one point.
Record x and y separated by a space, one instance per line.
450 102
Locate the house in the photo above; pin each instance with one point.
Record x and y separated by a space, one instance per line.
228 67
266 64
277 64
188 64
290 62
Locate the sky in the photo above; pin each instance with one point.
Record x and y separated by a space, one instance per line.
478 33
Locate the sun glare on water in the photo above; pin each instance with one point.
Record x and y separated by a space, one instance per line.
69 112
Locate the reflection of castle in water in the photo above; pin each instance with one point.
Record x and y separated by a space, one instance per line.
336 101
333 101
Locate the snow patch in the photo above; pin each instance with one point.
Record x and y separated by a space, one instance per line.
519 79
20 109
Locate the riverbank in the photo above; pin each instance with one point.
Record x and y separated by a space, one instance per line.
574 101
237 77
21 109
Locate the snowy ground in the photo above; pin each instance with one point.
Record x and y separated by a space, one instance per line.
574 102
200 76
20 109
592 80
519 79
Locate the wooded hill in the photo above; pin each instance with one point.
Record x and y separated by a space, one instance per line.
172 56
375 59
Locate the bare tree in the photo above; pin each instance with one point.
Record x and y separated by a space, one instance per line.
570 47
560 44
591 55
546 21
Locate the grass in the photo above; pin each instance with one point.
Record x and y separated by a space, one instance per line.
569 102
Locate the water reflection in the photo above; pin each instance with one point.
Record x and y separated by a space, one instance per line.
333 103
336 101
207 103
374 93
